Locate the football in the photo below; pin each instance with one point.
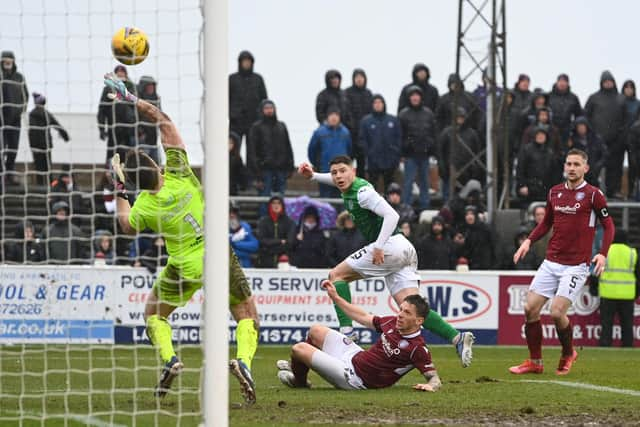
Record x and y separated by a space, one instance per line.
130 45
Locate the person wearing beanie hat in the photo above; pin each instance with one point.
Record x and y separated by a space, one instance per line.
456 97
345 240
394 197
585 139
565 106
246 91
331 96
64 239
543 120
14 99
359 99
272 232
521 93
436 250
420 76
41 121
269 152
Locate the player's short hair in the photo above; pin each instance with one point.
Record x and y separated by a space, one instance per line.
421 305
341 159
578 152
139 167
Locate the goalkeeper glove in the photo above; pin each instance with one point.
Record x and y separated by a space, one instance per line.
118 88
117 174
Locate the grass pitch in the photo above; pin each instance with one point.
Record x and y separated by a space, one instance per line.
100 386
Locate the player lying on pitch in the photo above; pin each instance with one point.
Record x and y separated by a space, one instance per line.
389 254
348 366
171 203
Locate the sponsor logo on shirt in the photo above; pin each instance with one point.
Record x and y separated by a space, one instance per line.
579 195
389 351
568 209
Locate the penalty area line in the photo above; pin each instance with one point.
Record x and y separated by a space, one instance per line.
586 386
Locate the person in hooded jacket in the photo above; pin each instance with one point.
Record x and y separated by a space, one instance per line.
307 243
241 238
531 261
103 247
543 121
65 241
420 77
237 170
359 99
41 121
381 139
344 241
148 132
406 213
457 97
529 115
272 233
565 106
246 91
478 241
522 96
606 114
332 97
633 145
436 250
269 153
538 168
24 248
585 139
419 129
14 97
631 103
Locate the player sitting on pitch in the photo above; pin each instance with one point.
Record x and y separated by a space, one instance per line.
348 366
171 203
389 254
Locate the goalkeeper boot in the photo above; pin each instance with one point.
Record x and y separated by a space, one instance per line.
464 348
286 376
247 387
170 371
527 367
565 363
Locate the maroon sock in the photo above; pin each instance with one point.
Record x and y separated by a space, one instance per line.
533 332
566 340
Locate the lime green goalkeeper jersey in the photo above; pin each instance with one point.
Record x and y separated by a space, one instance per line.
359 200
175 211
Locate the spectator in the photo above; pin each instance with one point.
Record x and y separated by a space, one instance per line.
272 232
41 121
246 92
64 189
543 121
584 138
148 132
522 96
330 140
394 197
345 240
633 144
25 248
104 251
454 210
117 118
407 231
436 250
418 143
307 242
618 286
104 203
237 170
481 93
269 153
359 100
460 250
631 103
64 240
457 97
331 98
539 100
606 115
565 106
479 241
241 237
139 246
420 77
531 261
539 247
14 98
506 135
156 256
459 153
537 169
381 139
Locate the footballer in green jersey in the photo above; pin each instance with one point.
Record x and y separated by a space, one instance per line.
171 203
388 253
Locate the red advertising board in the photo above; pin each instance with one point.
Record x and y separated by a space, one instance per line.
584 316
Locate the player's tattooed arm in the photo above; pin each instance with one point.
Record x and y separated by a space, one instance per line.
433 382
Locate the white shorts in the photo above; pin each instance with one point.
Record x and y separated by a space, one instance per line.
553 279
399 267
333 362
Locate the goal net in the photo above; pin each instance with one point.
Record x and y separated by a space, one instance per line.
73 347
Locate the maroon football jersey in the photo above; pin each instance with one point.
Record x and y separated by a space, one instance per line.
573 214
392 356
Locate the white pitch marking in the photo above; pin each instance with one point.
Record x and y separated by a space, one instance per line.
587 386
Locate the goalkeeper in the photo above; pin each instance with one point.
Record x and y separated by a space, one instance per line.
171 203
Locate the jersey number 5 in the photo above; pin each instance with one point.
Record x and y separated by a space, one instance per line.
192 221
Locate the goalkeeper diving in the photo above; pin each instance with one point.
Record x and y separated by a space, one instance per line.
171 203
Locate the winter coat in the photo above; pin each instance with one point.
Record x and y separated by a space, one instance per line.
108 257
237 170
537 170
455 99
63 243
554 138
479 245
405 212
591 144
521 99
359 104
605 112
23 251
331 97
381 139
631 105
148 131
343 243
246 91
14 91
429 92
310 252
326 143
268 145
436 253
565 107
246 246
633 144
117 116
418 126
41 121
270 234
154 257
452 152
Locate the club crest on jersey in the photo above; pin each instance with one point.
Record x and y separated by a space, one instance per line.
403 344
579 195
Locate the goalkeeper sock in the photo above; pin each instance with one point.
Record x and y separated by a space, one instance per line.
436 324
247 338
159 333
342 287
